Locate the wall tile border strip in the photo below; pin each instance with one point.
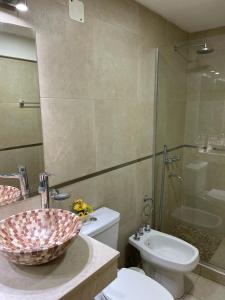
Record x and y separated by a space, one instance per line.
21 147
111 169
117 167
171 149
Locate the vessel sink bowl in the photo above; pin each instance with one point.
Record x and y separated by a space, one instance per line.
38 236
9 194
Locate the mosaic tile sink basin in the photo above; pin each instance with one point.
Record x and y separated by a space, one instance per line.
38 236
9 194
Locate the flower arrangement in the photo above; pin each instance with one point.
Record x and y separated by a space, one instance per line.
82 209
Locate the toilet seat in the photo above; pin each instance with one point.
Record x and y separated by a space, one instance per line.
131 285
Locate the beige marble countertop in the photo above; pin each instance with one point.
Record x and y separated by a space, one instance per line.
86 268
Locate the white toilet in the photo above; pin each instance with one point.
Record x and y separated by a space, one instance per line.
129 285
166 259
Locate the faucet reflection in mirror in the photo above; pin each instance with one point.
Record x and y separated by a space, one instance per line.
10 194
21 175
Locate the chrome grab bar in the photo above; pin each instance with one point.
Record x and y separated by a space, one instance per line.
22 104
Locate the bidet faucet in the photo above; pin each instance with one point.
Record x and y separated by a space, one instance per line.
141 231
137 236
21 175
147 228
180 178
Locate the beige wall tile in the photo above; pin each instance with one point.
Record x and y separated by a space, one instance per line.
19 81
87 190
69 138
116 132
146 71
113 63
152 27
145 129
117 190
19 126
118 12
64 58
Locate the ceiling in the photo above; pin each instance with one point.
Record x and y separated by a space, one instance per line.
190 15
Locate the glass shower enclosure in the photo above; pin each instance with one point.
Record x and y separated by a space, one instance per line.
189 176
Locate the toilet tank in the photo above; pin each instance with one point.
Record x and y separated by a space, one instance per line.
103 226
195 177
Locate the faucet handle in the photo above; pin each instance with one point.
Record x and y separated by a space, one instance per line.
43 181
137 236
43 189
44 175
148 199
147 228
141 231
59 196
24 182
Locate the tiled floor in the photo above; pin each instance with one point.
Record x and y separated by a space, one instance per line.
201 288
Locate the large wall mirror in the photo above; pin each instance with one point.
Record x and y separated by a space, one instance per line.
21 143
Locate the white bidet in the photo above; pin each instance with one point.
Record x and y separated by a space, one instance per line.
166 259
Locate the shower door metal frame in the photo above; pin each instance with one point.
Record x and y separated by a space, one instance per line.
155 130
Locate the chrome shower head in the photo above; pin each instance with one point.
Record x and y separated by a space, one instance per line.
202 48
205 49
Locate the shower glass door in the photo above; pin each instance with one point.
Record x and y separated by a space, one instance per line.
190 120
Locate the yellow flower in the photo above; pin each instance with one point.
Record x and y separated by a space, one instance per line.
79 205
81 208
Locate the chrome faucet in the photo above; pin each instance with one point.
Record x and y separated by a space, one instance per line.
21 175
44 189
179 178
47 194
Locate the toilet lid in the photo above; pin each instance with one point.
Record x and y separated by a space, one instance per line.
131 285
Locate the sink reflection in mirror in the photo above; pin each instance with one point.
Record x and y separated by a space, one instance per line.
9 194
21 140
